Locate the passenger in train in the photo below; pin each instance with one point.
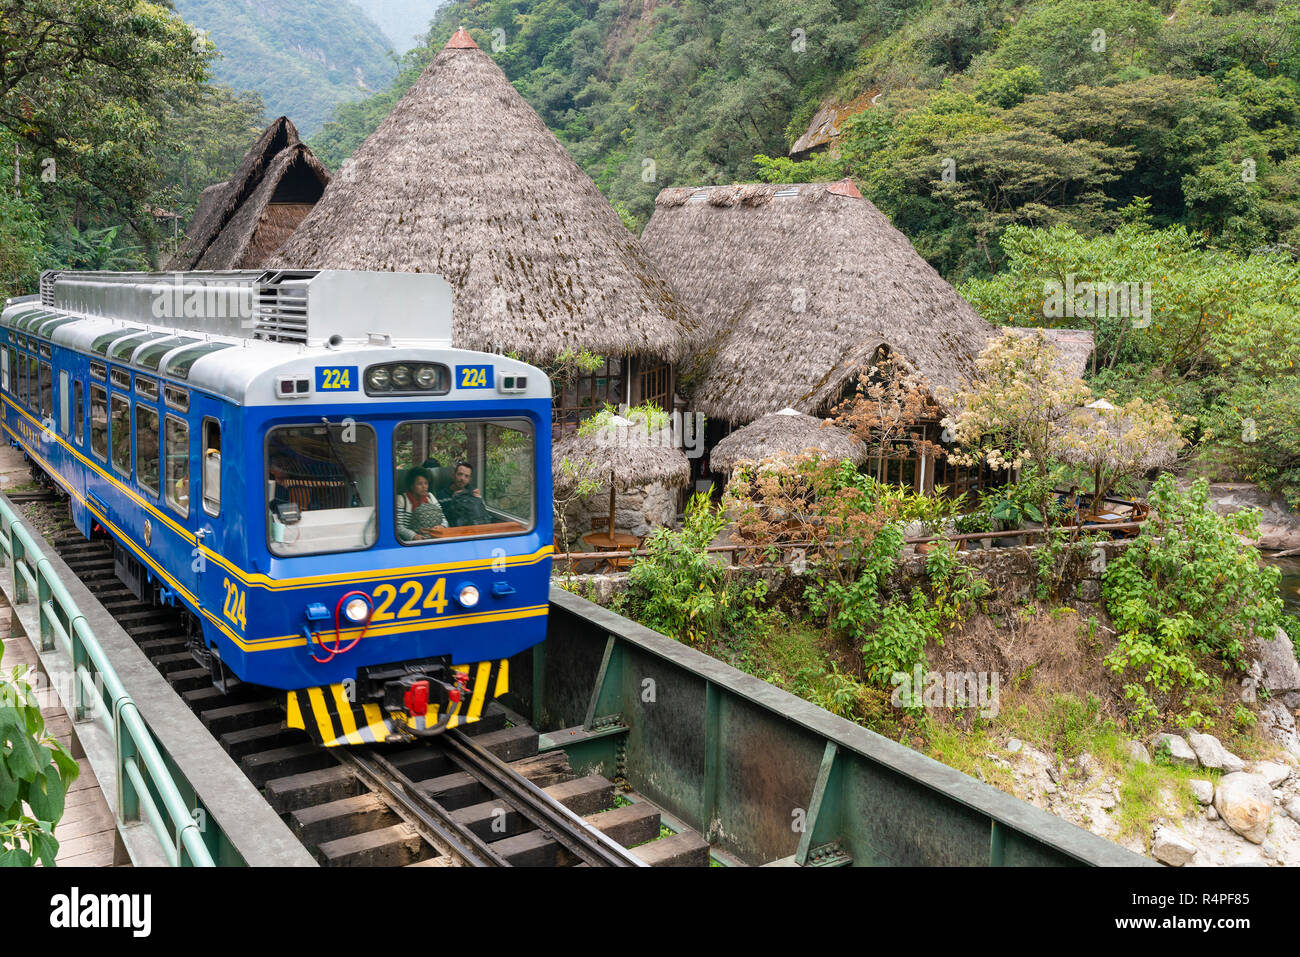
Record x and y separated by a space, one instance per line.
417 512
462 503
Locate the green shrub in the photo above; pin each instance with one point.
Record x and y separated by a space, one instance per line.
680 589
1187 593
35 772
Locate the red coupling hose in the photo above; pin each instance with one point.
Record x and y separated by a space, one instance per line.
336 650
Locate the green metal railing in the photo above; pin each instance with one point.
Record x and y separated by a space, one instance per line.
144 784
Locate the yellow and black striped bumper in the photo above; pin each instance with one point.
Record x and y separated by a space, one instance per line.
332 720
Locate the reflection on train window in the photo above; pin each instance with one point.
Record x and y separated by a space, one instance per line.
463 479
99 422
320 489
120 421
47 391
33 384
211 466
16 384
78 401
6 363
176 447
146 448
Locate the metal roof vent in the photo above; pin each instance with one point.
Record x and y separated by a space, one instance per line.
280 307
786 192
699 196
48 279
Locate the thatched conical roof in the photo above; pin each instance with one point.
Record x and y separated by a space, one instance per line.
620 450
796 287
240 223
783 434
1100 434
464 179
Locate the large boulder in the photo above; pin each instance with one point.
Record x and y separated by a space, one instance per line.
1173 747
1281 669
1171 848
1245 802
1278 725
1213 755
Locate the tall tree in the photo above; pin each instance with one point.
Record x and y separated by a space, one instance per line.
84 89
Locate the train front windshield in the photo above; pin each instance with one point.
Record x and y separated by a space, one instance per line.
462 479
321 487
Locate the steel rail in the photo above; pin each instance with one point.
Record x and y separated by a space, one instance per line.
430 820
553 819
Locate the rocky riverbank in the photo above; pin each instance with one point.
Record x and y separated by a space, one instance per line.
1279 527
1211 807
1228 811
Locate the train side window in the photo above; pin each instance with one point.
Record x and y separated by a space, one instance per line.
211 466
33 384
146 448
47 392
176 449
4 369
12 384
65 399
99 422
79 402
20 373
120 432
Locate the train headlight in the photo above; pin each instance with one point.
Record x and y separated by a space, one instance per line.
467 595
357 610
426 377
401 377
379 378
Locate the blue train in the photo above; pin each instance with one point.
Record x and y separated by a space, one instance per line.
348 508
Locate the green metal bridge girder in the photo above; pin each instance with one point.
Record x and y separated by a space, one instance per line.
765 775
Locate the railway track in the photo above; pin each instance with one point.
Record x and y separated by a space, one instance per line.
483 796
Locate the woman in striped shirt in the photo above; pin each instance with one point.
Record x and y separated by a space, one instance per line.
417 512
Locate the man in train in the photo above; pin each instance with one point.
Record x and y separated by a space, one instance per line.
462 503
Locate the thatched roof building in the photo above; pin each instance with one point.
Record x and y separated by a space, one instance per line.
797 287
464 179
783 434
241 223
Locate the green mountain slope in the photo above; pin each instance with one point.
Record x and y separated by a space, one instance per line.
1057 111
304 57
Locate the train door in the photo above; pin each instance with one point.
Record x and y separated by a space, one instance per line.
215 509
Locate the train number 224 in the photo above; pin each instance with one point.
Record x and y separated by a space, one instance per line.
234 607
410 592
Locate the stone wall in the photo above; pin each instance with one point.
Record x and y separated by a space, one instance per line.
1012 572
638 511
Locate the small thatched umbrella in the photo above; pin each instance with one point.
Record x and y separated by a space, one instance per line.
786 433
1120 442
621 452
